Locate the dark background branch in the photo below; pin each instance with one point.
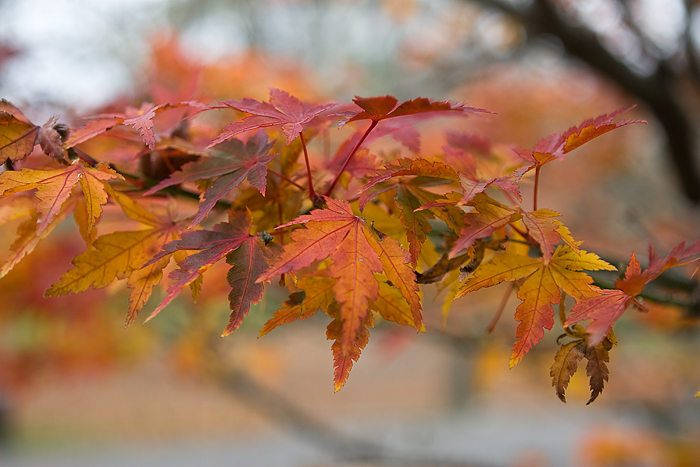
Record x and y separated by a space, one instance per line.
657 90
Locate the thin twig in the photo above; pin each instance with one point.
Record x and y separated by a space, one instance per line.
537 183
501 307
285 178
312 193
352 153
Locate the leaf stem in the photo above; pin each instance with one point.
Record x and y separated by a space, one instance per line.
537 185
285 178
352 153
501 307
312 193
281 220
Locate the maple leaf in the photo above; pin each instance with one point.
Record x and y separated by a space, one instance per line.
247 262
140 119
406 166
233 162
415 222
315 292
566 364
122 254
547 231
53 187
384 107
488 216
28 236
231 240
558 145
356 254
346 353
476 177
411 198
49 139
282 110
18 135
471 187
597 367
378 109
540 290
610 305
392 306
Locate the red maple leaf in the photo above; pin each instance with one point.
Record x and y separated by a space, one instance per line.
357 255
231 163
607 308
140 119
384 107
282 110
560 144
231 240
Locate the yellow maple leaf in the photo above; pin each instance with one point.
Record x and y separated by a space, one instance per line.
28 236
17 133
54 186
540 290
14 207
316 292
81 218
120 255
392 306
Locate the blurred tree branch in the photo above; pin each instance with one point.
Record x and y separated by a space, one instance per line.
285 413
657 90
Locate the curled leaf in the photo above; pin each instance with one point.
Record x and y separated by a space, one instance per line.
565 365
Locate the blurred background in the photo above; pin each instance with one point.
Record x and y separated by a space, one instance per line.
78 389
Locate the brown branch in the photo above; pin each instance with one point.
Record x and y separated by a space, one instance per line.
657 90
283 411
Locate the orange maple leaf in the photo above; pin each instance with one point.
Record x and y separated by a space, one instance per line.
488 216
346 354
356 254
540 290
122 254
315 292
27 235
610 305
17 134
558 145
54 186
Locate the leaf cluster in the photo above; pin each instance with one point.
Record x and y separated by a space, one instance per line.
356 234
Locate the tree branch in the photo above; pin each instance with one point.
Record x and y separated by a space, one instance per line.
656 90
